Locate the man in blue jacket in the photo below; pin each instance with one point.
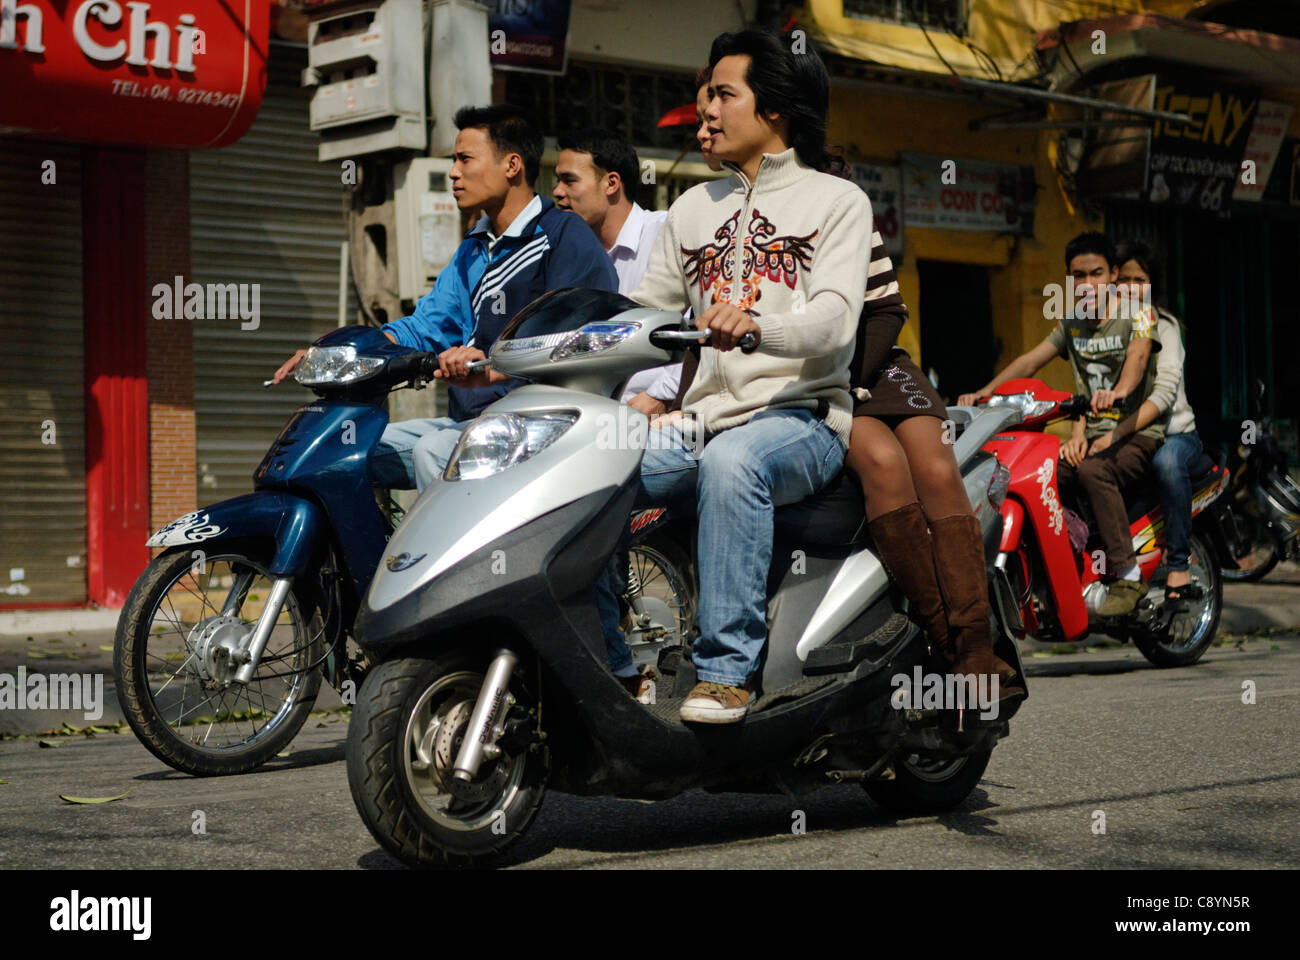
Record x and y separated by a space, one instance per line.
521 247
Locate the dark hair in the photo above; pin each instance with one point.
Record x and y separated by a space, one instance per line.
795 86
609 153
702 76
509 130
1091 242
1140 251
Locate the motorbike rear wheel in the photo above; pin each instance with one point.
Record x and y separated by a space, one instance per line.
662 583
406 729
178 615
923 786
1173 649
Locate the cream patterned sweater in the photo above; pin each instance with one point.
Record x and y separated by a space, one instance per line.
792 248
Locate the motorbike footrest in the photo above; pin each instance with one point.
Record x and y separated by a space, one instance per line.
839 657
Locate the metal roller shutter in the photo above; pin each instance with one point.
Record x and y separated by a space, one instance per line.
42 391
263 211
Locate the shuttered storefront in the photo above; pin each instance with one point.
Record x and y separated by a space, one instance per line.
263 211
42 387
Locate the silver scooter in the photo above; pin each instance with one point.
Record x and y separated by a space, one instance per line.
491 683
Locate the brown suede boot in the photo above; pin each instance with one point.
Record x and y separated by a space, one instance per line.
902 539
959 565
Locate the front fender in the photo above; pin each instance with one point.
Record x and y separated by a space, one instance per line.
296 525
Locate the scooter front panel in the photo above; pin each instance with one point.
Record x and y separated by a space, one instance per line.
453 519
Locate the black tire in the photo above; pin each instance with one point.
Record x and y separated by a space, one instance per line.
1163 651
384 780
923 787
1262 568
168 737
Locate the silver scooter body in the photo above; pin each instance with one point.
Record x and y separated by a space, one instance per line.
453 519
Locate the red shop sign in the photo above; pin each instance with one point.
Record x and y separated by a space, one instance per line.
158 73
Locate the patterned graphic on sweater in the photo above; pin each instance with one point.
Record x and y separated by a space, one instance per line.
763 255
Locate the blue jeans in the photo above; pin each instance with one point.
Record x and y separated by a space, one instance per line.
413 453
742 475
1172 462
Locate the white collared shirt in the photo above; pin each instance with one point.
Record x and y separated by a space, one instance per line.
636 239
631 256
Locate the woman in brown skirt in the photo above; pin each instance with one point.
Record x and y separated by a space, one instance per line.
917 509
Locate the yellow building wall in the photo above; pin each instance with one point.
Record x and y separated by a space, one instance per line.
878 125
1003 30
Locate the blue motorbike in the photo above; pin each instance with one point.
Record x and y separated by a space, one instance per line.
225 637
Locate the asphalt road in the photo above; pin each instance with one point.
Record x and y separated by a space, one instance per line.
1185 774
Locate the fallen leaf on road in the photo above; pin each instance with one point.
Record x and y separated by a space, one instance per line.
106 646
4 781
120 796
49 743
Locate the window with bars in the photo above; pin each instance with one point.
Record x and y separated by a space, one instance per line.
948 15
624 101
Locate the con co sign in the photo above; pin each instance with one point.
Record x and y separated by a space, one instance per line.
160 73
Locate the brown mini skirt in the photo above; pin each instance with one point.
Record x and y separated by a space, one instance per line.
901 390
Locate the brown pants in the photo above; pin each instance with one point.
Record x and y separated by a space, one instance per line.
1103 479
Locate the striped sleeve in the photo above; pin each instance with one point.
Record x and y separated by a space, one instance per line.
882 318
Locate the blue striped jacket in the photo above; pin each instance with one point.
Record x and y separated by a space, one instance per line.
487 283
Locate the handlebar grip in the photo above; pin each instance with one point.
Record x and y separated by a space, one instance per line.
1079 403
413 366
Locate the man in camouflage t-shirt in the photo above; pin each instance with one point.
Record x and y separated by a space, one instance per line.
1097 351
1107 344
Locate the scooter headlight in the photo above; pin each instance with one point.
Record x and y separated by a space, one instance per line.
1024 402
330 365
492 443
593 338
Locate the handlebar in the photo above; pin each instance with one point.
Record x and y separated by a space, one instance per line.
1077 404
748 343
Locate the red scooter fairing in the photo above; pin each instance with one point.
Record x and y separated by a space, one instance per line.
1032 460
1032 457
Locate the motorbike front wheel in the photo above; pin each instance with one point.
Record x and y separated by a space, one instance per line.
406 730
1263 555
183 616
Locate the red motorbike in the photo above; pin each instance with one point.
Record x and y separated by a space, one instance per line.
1054 583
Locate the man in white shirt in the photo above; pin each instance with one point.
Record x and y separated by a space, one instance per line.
596 176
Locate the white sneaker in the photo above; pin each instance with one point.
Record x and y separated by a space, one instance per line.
716 703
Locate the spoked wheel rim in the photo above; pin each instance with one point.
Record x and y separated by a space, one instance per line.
207 606
1188 628
666 599
432 738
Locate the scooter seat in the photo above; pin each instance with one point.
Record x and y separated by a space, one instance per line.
832 517
1147 497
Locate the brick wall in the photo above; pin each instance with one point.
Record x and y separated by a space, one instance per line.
170 362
